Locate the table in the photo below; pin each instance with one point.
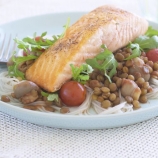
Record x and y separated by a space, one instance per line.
20 139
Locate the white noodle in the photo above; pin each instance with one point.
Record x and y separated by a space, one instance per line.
154 84
7 84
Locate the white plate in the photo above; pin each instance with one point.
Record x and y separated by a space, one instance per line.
52 23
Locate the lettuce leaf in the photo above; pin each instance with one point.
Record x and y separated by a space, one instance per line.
104 61
81 74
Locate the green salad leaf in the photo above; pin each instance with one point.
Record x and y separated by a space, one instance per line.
38 43
53 97
13 69
104 61
81 74
50 96
31 44
144 43
147 42
151 32
66 26
136 51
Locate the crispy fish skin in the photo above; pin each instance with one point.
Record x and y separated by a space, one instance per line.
107 25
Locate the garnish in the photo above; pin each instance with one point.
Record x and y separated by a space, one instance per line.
50 96
38 43
81 74
65 27
147 42
32 48
144 43
151 32
136 51
13 69
34 45
104 61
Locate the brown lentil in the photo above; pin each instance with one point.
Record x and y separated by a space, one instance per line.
97 91
30 107
106 104
94 97
105 89
119 66
100 78
106 83
48 102
140 81
116 93
143 99
143 91
150 63
49 108
145 85
150 69
94 83
116 101
129 63
136 104
129 50
112 87
93 75
125 69
100 99
150 89
105 95
118 82
154 73
112 97
131 77
115 78
119 57
126 55
137 75
129 99
155 66
64 110
5 98
123 75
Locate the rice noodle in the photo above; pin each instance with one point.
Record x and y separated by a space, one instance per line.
154 84
7 84
120 108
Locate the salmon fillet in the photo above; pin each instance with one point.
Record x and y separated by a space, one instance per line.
107 25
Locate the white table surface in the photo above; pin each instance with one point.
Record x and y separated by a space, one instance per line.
20 139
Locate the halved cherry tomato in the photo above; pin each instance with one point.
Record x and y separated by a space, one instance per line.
152 55
72 93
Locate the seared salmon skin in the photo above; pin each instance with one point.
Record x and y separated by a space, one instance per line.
107 25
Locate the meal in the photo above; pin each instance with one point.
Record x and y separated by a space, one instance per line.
106 61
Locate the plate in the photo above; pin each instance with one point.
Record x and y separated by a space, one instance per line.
52 23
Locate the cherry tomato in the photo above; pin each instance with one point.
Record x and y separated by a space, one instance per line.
72 93
152 55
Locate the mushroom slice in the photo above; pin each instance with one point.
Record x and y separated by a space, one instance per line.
130 88
141 67
24 88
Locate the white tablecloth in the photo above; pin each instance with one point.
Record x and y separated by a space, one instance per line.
20 139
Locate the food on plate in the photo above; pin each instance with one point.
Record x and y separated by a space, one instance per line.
105 25
106 61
